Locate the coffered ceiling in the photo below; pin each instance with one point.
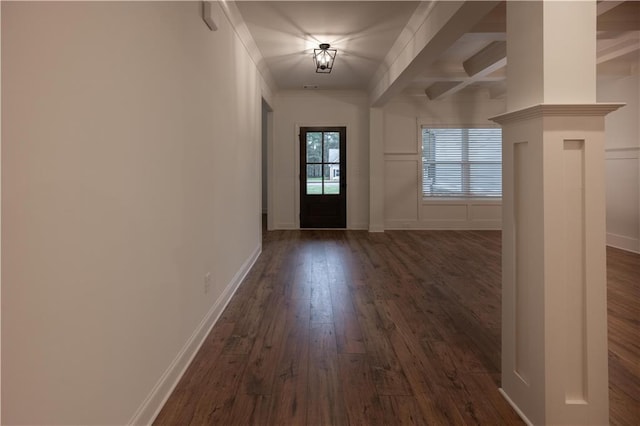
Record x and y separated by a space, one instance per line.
370 35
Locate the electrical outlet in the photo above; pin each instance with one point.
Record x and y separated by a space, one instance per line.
207 282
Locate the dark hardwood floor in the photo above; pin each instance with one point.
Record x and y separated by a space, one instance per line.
348 327
623 300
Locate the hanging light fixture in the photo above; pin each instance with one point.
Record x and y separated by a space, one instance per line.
324 57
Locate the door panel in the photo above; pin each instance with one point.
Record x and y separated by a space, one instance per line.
323 186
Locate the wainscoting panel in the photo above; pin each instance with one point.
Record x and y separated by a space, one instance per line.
400 189
623 198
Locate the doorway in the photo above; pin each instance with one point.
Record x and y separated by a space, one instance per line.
267 138
323 177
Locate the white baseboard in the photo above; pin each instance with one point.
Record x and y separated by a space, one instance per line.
151 406
623 243
358 226
443 225
285 226
515 407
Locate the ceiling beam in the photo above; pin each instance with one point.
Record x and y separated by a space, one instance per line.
494 22
428 80
497 50
621 17
486 61
626 44
494 55
606 5
439 87
480 76
487 57
445 23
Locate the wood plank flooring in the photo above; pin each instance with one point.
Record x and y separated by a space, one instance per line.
623 300
354 328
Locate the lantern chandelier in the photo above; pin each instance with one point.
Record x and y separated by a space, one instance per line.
323 58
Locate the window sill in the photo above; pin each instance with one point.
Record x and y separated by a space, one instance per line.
454 200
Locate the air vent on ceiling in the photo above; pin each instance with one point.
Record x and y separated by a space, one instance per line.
310 86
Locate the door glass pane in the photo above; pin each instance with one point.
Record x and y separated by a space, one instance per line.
314 179
332 147
332 178
314 147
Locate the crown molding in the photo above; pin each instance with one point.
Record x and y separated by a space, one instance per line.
238 24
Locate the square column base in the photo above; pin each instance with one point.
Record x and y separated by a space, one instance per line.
554 316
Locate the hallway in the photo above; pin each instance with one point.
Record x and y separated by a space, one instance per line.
136 138
350 327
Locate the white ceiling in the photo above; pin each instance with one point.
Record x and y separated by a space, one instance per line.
286 32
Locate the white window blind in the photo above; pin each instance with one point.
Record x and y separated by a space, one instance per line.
461 162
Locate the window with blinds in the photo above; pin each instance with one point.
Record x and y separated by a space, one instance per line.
463 162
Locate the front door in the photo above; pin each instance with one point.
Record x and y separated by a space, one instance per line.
323 173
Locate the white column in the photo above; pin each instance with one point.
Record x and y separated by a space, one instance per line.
554 312
376 170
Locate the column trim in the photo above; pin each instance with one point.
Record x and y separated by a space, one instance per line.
557 110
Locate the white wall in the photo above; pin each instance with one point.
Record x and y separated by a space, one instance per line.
622 130
296 109
402 117
404 207
131 167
